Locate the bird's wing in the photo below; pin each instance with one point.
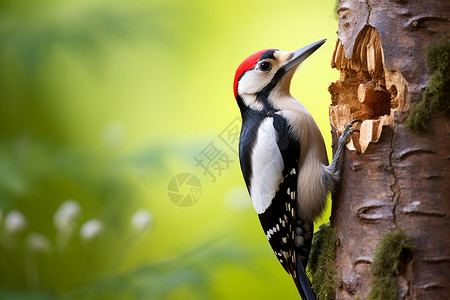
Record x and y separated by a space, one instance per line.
274 186
267 166
273 189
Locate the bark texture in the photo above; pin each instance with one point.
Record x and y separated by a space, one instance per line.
393 177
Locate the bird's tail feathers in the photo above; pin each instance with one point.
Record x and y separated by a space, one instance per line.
302 281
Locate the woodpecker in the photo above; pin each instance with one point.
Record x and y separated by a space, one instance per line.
283 156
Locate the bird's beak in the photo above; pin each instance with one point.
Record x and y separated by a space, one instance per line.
301 54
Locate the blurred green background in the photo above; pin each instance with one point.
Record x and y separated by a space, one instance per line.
102 103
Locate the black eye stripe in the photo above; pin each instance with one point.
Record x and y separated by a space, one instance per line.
263 94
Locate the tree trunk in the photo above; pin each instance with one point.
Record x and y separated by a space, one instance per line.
392 177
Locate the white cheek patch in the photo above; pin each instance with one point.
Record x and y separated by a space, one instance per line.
250 101
250 84
253 81
267 167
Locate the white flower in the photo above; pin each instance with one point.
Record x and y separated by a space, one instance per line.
65 218
91 230
141 220
15 222
37 242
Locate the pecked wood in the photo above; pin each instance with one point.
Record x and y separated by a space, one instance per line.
402 180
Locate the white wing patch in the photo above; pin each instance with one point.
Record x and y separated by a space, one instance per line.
267 167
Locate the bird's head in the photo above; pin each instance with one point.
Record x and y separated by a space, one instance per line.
267 74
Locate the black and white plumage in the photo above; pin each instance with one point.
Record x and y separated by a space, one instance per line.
283 157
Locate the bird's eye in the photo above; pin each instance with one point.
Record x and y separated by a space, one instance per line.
265 66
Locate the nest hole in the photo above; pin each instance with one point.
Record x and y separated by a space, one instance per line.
365 89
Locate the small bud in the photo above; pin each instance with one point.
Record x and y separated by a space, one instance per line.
91 230
65 218
141 220
37 242
15 222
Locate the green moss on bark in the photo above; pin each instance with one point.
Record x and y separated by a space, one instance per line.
387 260
322 263
436 96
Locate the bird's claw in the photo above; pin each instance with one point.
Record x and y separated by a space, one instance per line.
343 140
348 131
349 125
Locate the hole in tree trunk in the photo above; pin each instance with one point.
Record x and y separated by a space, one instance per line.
365 90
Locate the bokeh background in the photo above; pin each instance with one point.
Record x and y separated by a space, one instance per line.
102 105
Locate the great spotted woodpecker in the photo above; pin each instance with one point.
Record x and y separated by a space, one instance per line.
283 156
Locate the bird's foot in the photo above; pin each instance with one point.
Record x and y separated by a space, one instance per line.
345 137
348 131
343 140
